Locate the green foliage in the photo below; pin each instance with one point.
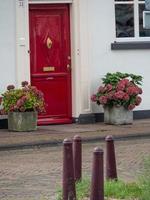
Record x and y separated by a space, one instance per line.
114 189
145 180
114 78
82 189
122 190
119 189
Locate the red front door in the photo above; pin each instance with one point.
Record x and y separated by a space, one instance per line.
50 60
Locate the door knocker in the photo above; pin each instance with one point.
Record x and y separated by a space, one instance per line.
49 43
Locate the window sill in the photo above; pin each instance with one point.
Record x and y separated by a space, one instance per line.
130 45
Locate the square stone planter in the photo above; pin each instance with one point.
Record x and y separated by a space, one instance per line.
117 115
22 121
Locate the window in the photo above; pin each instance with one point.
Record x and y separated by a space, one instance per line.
129 20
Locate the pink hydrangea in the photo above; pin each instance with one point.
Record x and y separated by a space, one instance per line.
122 84
119 95
138 100
103 100
126 97
120 87
20 103
24 98
93 98
125 81
24 83
11 108
110 95
101 89
140 90
40 94
133 90
10 87
109 87
131 106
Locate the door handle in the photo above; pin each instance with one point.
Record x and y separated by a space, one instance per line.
68 67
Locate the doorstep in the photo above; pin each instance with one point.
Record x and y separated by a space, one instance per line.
55 134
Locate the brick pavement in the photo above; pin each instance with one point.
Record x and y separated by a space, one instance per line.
33 174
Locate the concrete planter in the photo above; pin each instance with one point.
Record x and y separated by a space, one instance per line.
117 115
22 121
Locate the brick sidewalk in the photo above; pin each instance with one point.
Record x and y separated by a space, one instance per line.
34 174
54 134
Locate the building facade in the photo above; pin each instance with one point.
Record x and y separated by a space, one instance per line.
65 47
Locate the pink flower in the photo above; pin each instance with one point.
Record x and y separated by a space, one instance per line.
133 90
40 94
125 81
109 87
126 97
138 100
110 95
101 89
119 95
20 102
103 100
23 98
140 90
10 87
131 106
122 84
93 98
24 83
120 87
11 108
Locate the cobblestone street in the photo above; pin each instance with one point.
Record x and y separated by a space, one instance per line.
34 174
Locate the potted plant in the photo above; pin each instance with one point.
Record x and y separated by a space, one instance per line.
119 95
22 106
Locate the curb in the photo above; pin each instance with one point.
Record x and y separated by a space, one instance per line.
54 143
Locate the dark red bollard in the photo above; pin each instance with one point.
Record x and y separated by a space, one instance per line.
97 184
69 192
111 171
77 157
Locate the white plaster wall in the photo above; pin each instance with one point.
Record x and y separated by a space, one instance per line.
101 31
7 44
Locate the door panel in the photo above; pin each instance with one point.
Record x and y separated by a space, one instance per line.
50 58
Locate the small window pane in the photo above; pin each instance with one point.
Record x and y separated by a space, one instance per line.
142 32
124 20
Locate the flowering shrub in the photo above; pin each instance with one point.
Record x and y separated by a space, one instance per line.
120 89
27 98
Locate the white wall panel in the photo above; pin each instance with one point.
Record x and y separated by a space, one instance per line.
7 44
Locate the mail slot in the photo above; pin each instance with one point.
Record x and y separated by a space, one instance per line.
48 69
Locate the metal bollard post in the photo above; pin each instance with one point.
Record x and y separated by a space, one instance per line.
97 184
69 192
111 171
77 157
